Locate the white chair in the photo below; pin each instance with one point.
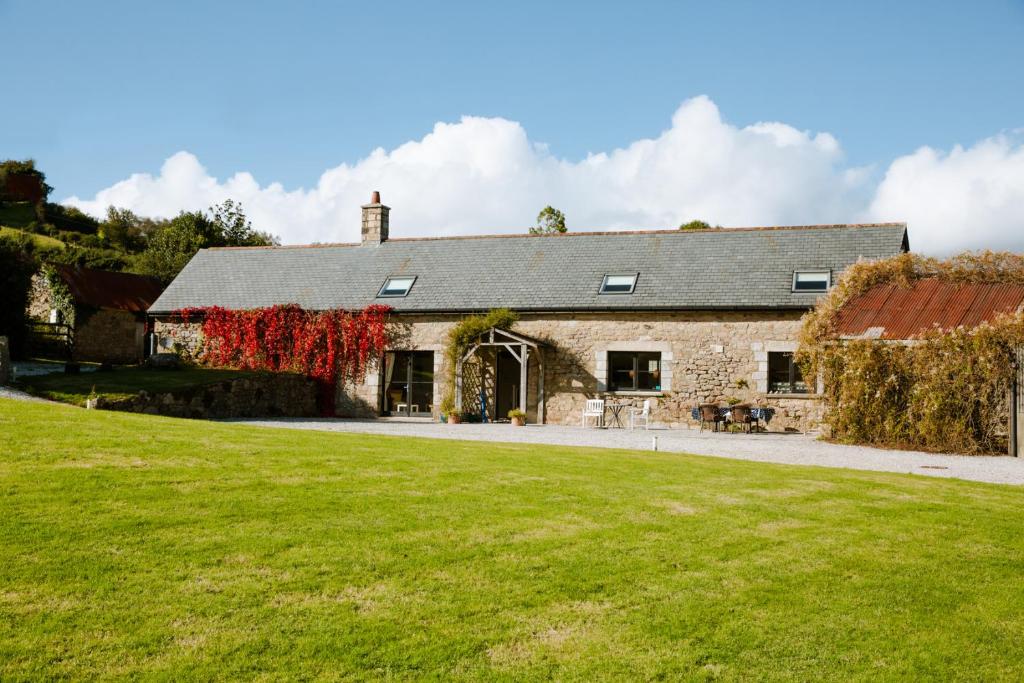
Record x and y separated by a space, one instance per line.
637 414
595 409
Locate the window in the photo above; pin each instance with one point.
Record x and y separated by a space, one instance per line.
618 284
784 375
396 286
634 371
812 281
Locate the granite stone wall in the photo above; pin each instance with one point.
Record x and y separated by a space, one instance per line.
108 335
706 357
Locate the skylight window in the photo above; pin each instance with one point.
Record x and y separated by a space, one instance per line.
812 281
396 286
618 284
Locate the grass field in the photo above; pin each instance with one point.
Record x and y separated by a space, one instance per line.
40 240
150 547
123 382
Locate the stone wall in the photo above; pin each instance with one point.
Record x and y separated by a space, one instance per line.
40 299
108 335
177 337
271 395
705 355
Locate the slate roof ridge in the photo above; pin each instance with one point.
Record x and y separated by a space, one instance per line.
584 233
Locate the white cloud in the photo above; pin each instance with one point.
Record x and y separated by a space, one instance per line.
484 175
967 199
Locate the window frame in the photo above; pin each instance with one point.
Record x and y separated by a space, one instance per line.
604 283
635 388
389 279
793 372
798 273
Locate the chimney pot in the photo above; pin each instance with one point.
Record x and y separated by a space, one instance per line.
375 197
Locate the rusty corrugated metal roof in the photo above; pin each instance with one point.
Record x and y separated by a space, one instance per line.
106 289
893 312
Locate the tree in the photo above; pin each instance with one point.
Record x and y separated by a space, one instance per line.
550 221
173 244
21 181
121 228
17 265
176 243
236 229
695 225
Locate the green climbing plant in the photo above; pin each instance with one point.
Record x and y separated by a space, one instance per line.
459 339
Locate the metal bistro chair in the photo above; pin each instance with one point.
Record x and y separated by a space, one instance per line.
743 416
638 414
709 413
594 408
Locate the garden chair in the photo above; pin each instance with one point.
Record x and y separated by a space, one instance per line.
743 416
709 413
637 414
594 408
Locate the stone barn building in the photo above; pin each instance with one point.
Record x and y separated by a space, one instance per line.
674 317
103 312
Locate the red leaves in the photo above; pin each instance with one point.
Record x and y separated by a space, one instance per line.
328 346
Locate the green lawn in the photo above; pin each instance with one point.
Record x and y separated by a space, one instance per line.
123 382
151 547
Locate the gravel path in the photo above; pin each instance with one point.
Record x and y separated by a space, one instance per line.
18 395
790 449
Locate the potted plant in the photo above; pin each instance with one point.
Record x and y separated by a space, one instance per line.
92 401
518 417
454 417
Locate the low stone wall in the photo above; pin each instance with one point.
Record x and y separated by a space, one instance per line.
280 395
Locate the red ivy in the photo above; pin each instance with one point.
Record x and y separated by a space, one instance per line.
328 346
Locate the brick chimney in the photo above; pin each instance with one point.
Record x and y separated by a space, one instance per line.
375 221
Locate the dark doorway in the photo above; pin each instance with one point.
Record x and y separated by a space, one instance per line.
506 384
408 383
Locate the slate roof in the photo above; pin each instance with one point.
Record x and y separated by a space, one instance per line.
733 268
893 312
107 289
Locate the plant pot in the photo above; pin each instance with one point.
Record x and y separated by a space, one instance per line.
518 421
454 419
92 403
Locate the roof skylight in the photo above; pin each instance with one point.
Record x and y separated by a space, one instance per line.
618 284
396 286
812 281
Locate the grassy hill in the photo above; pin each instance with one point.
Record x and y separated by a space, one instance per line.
42 241
138 546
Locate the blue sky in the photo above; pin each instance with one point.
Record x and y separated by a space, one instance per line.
286 91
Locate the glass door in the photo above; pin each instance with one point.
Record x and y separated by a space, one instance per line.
408 383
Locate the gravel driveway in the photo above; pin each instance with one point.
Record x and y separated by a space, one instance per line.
18 395
789 449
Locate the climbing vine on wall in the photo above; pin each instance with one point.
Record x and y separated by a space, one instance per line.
60 296
459 339
331 347
945 390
